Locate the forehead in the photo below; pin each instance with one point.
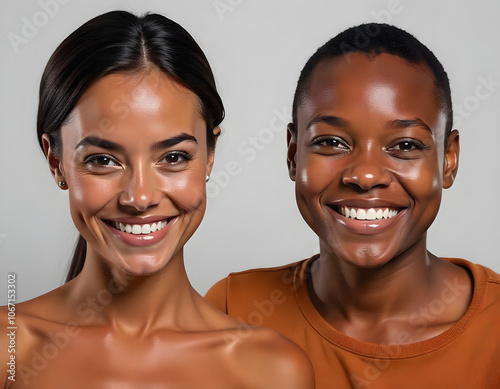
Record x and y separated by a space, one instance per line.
380 85
140 105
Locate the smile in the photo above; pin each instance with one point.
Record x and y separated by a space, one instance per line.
140 229
368 213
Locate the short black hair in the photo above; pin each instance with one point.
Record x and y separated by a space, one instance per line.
374 39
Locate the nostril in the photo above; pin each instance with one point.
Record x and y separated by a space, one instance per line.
367 177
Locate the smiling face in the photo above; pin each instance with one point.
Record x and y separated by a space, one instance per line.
135 160
369 157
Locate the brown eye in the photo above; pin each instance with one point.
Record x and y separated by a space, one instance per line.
175 158
332 142
409 145
405 146
100 160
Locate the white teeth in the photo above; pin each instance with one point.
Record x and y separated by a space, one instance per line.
371 214
140 229
368 214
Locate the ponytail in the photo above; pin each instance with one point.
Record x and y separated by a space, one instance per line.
78 259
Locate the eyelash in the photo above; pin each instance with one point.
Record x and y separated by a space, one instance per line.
321 141
91 160
332 145
412 143
183 154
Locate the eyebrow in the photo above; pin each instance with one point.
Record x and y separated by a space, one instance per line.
405 123
165 144
109 145
330 120
98 142
339 122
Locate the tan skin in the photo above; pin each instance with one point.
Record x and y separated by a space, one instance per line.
371 134
131 319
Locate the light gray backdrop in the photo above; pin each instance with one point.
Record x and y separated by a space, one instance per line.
257 48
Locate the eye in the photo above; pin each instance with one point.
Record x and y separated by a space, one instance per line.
175 158
407 148
100 160
326 144
408 145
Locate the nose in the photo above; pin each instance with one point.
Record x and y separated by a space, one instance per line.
140 189
367 170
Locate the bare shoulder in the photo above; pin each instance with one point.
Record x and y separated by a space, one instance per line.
23 325
267 359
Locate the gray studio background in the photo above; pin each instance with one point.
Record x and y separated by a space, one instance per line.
256 48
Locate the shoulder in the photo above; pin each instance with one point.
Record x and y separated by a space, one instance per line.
481 274
248 281
27 323
266 359
486 289
16 342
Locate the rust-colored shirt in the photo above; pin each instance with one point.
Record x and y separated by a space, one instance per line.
466 356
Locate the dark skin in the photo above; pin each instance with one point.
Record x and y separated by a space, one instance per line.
131 319
370 160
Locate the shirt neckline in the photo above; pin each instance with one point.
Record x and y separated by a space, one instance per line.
384 351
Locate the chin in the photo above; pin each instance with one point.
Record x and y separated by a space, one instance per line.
143 266
368 257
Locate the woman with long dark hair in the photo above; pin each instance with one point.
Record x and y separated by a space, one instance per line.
128 120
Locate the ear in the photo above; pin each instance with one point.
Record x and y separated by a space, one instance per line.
451 159
291 139
211 152
55 164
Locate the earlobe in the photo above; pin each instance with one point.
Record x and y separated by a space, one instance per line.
451 159
55 163
292 150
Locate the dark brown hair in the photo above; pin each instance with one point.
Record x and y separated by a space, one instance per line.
115 42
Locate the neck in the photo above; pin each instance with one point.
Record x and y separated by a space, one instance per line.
135 304
342 291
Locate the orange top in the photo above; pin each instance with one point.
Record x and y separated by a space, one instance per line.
467 355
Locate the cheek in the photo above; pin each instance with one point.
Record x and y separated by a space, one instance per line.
187 191
424 181
313 175
87 192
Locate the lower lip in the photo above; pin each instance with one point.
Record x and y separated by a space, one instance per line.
366 227
141 240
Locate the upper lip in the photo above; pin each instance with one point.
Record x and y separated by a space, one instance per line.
140 220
